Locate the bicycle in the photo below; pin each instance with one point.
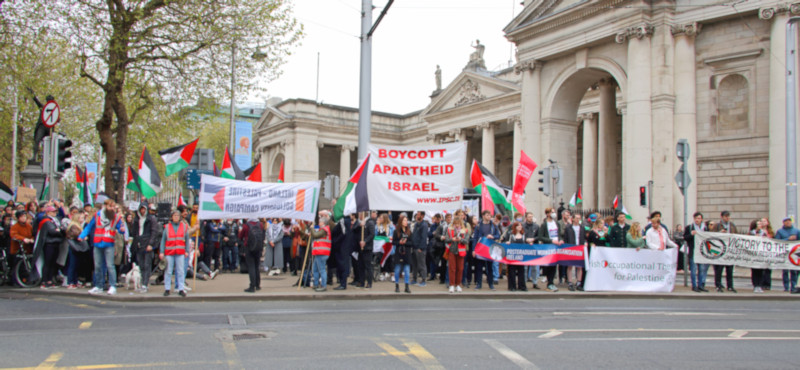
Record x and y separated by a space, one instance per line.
23 271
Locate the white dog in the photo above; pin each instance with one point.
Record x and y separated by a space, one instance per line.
133 278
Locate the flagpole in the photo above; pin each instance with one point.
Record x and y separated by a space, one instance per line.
196 247
305 260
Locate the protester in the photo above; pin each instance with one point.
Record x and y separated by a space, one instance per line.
677 237
438 234
634 238
366 230
419 240
791 233
697 271
79 252
230 246
617 232
757 275
145 232
485 229
456 239
471 263
212 233
21 234
435 246
50 238
173 248
105 225
573 234
725 225
321 250
403 250
252 238
286 243
596 237
273 251
551 232
658 237
516 273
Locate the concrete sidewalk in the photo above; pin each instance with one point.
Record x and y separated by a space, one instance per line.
230 287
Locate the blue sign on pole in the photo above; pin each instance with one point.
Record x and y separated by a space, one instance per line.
193 177
243 155
91 173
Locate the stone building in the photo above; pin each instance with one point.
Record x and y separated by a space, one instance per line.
605 88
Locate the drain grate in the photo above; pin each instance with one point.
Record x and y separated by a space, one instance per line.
248 336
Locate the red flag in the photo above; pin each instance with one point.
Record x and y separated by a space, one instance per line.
280 174
180 200
524 173
255 173
486 200
615 204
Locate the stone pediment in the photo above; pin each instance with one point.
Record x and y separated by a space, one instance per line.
470 88
270 115
543 9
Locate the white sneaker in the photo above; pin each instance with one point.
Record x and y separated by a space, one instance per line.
213 274
452 289
277 271
381 277
112 290
758 290
95 290
458 289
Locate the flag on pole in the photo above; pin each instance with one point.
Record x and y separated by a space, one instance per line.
495 196
216 169
280 174
577 197
627 215
180 200
45 189
354 198
615 203
254 173
230 170
381 244
524 173
133 180
149 181
84 193
6 194
179 157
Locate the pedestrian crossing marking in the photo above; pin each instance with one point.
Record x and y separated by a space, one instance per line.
510 354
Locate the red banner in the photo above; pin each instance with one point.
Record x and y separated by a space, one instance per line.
524 173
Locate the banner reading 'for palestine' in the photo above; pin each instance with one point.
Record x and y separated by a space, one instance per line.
224 198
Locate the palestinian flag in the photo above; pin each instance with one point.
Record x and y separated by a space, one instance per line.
218 203
253 173
149 181
6 194
627 215
180 200
179 157
216 169
280 174
492 194
229 168
133 180
45 189
577 198
615 202
381 244
354 198
84 193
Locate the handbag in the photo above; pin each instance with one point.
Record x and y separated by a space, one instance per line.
78 246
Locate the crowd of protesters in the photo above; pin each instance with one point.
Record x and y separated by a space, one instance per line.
96 248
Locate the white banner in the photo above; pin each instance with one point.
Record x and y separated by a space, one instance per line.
223 198
402 178
629 270
746 251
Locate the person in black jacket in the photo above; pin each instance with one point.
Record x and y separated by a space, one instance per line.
230 246
50 236
364 248
550 232
419 239
696 271
146 233
574 234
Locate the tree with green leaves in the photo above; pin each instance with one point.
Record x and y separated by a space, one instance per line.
148 58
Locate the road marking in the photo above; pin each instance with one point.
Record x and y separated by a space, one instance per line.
179 322
232 355
184 333
544 331
85 325
123 366
510 354
639 313
738 334
551 334
425 359
236 320
687 339
51 360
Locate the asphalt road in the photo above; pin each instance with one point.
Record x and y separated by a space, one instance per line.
66 332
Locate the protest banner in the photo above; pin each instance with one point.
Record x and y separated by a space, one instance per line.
225 198
629 270
530 254
746 251
403 178
25 195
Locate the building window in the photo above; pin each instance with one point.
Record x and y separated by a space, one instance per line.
733 103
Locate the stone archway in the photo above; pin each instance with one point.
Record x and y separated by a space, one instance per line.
275 167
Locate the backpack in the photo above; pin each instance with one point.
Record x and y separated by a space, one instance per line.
255 237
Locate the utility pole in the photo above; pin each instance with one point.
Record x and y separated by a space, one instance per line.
233 97
15 113
791 118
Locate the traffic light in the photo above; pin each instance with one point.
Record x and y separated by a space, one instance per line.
643 196
545 181
63 154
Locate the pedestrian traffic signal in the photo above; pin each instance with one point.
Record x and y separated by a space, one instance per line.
63 155
643 196
545 181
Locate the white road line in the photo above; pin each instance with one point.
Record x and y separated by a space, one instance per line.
639 313
236 320
551 334
509 353
737 334
544 331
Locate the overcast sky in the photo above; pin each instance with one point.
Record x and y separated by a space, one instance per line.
412 39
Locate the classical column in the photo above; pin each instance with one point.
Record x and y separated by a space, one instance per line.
637 131
606 143
531 116
288 160
518 140
487 145
589 173
685 82
344 163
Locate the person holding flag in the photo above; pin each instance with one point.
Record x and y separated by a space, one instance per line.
321 250
174 243
49 240
105 224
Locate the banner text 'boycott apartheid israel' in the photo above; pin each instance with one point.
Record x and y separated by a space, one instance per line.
629 270
223 198
746 251
402 178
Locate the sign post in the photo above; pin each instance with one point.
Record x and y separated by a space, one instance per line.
683 180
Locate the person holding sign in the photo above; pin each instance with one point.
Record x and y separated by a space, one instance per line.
516 273
456 239
551 232
657 237
174 243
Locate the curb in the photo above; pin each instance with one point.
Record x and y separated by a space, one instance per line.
258 297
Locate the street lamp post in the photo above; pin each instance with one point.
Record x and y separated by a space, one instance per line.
116 175
258 56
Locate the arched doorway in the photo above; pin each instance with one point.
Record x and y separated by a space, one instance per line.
275 168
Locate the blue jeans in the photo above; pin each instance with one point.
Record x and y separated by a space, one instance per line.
406 272
532 273
321 271
230 257
72 267
174 264
702 272
789 279
693 273
496 270
104 260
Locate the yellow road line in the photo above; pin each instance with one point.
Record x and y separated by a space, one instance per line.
51 360
46 365
232 355
427 359
85 325
400 355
